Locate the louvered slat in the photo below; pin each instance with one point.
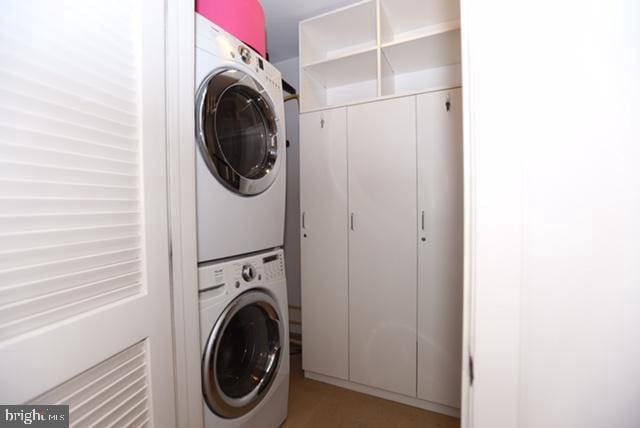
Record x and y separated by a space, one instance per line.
57 110
44 189
23 241
38 122
113 393
115 45
118 90
19 153
141 421
103 274
37 206
80 388
48 141
113 68
27 171
31 223
70 210
41 304
51 76
43 271
125 390
35 88
127 415
43 255
58 312
122 407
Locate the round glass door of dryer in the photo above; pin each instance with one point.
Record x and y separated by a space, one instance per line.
237 131
242 354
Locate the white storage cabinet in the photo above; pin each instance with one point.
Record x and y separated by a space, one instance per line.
381 200
381 204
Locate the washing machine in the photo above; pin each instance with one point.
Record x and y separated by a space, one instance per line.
244 338
240 134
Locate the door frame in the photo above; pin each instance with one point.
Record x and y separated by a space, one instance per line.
180 89
493 223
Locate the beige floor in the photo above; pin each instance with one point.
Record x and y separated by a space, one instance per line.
319 405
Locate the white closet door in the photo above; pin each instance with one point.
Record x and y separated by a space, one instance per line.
382 244
440 248
85 315
323 201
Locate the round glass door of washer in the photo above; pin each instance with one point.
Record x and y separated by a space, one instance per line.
242 354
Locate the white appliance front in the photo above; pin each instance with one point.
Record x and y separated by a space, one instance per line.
240 134
244 338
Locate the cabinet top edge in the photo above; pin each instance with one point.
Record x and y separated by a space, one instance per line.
383 98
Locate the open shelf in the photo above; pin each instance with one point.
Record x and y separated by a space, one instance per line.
346 69
341 80
338 33
425 52
379 48
442 29
401 19
437 66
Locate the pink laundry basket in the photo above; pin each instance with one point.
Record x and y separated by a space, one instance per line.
242 18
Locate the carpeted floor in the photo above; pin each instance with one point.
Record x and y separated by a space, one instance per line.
319 405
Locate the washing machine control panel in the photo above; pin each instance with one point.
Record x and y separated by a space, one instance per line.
236 274
273 267
264 268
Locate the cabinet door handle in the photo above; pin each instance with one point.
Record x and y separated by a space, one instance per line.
422 220
304 224
352 222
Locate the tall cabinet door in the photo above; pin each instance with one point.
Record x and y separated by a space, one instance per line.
324 223
440 247
382 244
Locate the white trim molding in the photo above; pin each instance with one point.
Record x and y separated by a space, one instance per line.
182 187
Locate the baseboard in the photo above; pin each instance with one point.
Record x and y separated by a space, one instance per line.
387 395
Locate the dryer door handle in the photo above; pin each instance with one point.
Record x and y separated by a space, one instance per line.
304 223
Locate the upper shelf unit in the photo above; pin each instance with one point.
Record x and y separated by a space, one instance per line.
340 33
379 48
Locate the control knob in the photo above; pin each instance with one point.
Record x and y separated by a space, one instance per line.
248 272
245 54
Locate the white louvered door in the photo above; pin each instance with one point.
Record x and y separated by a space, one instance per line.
84 262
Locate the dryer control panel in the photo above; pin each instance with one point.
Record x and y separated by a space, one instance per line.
215 40
258 270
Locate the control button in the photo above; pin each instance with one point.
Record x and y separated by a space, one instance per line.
248 272
245 54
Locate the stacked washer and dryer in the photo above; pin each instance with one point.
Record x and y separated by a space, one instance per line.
240 208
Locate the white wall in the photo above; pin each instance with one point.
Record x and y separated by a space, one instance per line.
553 166
289 70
